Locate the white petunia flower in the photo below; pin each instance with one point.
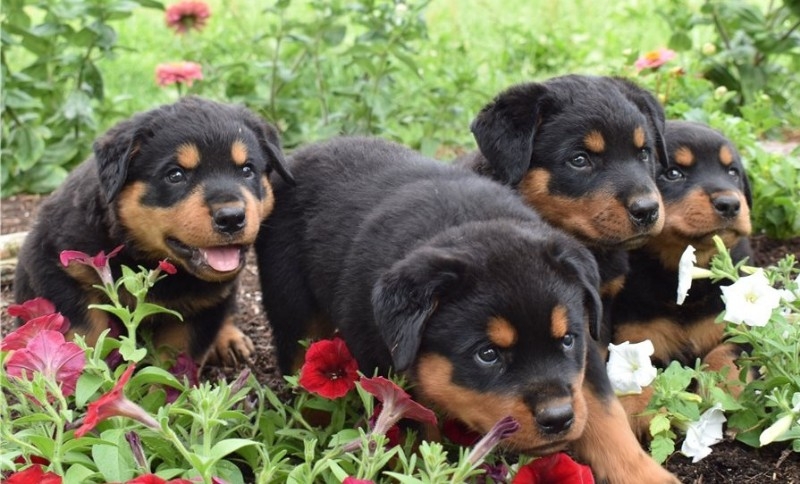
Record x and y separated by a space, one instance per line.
629 367
782 425
704 433
750 300
688 271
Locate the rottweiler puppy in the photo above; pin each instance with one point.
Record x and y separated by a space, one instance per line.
449 278
582 150
187 182
706 193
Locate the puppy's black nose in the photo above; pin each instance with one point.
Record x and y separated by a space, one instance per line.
726 205
229 219
555 419
643 211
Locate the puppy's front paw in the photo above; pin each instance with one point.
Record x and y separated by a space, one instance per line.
231 347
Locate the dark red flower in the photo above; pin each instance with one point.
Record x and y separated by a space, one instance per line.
20 337
113 404
329 370
34 474
185 16
32 309
51 355
184 369
557 467
458 433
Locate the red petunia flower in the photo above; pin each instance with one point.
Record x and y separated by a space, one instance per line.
51 355
21 336
34 474
114 404
458 433
178 73
167 267
654 59
557 467
329 369
154 479
32 309
98 262
185 16
393 435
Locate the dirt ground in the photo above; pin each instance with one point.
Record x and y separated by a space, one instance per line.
730 462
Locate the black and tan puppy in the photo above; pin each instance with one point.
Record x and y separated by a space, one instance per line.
187 182
706 193
582 150
450 278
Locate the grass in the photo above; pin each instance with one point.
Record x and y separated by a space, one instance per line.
483 45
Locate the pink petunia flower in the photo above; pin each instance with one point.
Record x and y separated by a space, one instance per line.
185 16
502 429
654 59
329 370
20 337
154 479
51 355
98 262
353 480
115 404
167 267
32 309
397 404
178 73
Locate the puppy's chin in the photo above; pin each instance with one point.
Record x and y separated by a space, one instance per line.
213 264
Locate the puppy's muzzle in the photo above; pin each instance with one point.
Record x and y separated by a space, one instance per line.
555 418
229 219
726 205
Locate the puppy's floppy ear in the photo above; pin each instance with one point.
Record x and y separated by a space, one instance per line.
270 143
406 296
580 263
114 151
505 128
650 107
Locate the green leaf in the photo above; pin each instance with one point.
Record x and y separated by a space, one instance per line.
154 375
78 473
28 145
661 448
659 423
227 446
88 384
114 457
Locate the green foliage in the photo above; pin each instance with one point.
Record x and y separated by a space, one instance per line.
52 85
752 50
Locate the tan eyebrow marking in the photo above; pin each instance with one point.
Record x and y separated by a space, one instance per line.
239 152
725 155
684 156
638 137
595 142
559 323
188 155
501 332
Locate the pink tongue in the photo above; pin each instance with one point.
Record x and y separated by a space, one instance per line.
222 259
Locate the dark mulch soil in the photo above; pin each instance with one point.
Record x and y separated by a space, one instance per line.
730 462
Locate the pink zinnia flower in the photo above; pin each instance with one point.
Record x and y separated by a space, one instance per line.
34 474
98 262
21 336
178 73
113 404
51 355
654 59
329 370
185 16
32 309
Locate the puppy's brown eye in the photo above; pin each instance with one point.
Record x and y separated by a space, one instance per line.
733 172
580 161
176 175
247 171
568 341
488 355
644 156
673 174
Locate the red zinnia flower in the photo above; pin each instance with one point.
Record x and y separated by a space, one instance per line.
32 309
654 59
21 336
33 475
98 262
185 16
114 404
554 468
329 369
178 73
51 355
